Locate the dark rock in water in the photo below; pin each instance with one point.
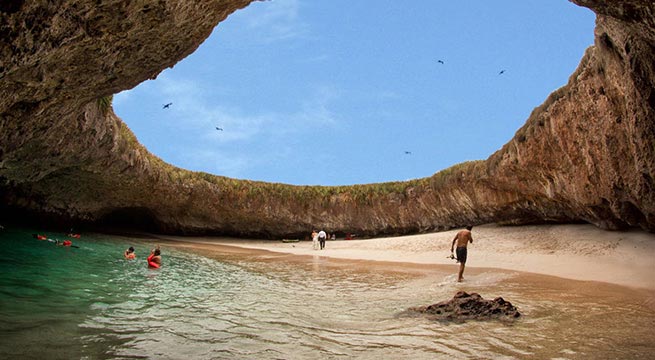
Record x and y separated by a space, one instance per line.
464 306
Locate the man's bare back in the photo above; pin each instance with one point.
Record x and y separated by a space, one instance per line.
463 238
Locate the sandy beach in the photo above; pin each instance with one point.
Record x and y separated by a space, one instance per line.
579 252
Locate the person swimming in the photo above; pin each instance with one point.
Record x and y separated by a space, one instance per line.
65 243
130 254
154 260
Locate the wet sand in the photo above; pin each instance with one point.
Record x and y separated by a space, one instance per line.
578 252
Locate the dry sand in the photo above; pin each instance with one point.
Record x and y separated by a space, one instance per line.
580 252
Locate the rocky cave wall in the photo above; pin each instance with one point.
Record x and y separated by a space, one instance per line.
586 154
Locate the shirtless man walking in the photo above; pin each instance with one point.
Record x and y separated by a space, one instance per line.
462 238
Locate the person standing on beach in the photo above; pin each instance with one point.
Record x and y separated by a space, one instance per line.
321 239
314 240
462 238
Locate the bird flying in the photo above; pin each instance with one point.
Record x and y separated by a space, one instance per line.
408 153
440 61
166 106
501 72
219 128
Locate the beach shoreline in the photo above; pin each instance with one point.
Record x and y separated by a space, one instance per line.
577 252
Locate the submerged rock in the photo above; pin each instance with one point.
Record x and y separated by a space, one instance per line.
464 306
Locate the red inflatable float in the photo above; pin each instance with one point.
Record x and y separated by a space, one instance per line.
151 263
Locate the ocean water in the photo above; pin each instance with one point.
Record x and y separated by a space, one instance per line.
90 303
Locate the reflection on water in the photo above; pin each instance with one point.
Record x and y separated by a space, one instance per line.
200 305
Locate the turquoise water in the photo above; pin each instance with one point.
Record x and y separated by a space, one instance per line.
89 303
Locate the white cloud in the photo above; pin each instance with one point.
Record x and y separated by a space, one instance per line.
215 162
249 138
194 109
121 98
320 58
239 125
276 20
316 110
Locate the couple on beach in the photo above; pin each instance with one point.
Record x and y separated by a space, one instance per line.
318 239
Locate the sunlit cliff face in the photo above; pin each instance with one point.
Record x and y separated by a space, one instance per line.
586 154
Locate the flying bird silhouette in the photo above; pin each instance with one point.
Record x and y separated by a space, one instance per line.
408 153
219 128
166 106
440 61
501 72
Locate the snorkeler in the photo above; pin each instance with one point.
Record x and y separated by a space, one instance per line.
65 243
130 254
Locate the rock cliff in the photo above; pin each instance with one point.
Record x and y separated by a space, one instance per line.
587 154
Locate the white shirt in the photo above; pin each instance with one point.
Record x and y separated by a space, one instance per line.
322 235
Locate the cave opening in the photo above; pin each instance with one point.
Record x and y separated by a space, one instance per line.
129 219
281 93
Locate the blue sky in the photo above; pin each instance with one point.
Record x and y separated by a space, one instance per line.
336 92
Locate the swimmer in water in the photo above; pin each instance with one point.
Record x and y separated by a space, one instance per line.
130 254
154 260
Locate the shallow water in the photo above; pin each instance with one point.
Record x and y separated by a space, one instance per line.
90 303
